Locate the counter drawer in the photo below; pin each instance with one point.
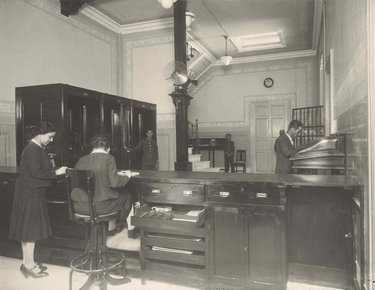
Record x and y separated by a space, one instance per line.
150 253
244 193
179 219
174 193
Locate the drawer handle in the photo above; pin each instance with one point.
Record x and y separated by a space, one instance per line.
4 182
224 194
187 192
261 195
155 190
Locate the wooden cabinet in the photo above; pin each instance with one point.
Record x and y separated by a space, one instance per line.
265 247
78 114
238 236
7 184
173 229
227 247
247 238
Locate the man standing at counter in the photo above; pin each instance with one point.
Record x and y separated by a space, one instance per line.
285 147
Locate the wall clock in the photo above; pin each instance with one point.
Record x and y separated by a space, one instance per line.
268 82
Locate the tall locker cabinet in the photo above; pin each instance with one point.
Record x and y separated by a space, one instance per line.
78 114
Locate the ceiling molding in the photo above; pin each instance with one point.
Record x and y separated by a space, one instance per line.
101 18
109 23
269 57
147 26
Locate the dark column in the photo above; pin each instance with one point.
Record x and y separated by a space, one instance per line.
180 97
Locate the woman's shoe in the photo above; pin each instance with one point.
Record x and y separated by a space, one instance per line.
41 267
34 272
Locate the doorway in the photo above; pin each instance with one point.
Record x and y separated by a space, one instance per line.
268 114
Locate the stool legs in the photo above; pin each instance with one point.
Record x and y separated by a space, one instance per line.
94 261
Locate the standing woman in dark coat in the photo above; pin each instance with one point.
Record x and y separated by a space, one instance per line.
29 220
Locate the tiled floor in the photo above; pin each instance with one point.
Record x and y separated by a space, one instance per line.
12 279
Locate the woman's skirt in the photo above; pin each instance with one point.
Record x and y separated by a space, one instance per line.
29 219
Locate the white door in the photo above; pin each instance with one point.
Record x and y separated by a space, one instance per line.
266 119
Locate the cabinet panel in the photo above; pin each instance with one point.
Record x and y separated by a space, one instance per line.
261 193
318 220
265 253
7 183
116 122
38 108
83 116
226 246
173 193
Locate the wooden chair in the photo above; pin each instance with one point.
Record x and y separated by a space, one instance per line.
240 160
96 261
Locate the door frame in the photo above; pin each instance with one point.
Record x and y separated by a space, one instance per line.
291 103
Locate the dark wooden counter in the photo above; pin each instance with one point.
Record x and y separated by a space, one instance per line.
270 221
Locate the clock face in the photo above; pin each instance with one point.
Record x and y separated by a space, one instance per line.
268 82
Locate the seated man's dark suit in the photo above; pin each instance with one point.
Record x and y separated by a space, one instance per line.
284 150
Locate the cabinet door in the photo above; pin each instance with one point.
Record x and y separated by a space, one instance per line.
226 247
116 122
83 117
265 249
35 108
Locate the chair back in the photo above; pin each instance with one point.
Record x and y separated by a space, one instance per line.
241 156
85 180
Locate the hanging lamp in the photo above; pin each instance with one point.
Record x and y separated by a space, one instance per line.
226 59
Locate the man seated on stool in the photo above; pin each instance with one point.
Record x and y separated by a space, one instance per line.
108 197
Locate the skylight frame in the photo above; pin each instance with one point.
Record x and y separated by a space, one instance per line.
243 45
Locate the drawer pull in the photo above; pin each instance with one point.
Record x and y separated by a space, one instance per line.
187 192
224 194
155 190
261 195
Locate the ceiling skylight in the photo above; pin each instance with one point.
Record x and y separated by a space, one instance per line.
258 41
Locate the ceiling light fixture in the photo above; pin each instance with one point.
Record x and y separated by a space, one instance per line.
226 59
190 17
167 3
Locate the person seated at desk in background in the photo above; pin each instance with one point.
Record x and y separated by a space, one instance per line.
285 147
150 155
228 153
108 197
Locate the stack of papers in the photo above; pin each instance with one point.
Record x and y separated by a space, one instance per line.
156 248
194 212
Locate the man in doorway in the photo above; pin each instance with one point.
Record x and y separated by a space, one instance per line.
229 153
150 155
285 147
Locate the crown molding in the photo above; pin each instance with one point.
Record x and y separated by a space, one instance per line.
100 18
112 25
269 57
